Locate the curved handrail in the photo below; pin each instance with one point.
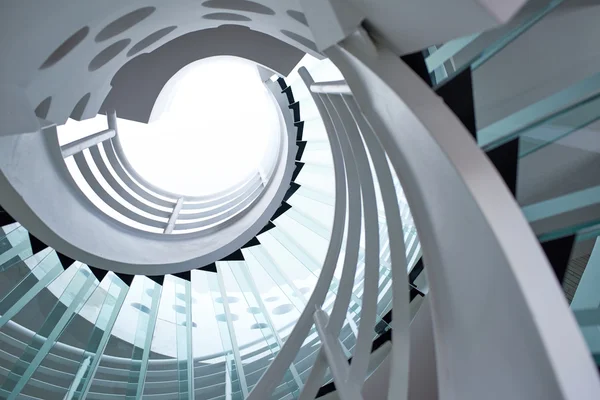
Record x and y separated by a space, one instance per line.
496 249
352 244
215 209
287 353
400 287
358 368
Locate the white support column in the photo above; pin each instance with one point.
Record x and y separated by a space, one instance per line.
171 224
263 176
111 117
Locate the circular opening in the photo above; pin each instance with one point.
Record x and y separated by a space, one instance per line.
213 127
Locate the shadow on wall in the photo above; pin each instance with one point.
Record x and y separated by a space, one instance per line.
138 83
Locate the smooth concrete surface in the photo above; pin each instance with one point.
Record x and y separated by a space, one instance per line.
448 180
59 52
136 86
12 99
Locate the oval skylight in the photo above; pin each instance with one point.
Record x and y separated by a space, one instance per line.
211 128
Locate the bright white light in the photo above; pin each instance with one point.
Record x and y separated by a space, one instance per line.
211 128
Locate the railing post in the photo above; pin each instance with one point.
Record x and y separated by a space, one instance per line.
338 364
111 117
92 140
171 224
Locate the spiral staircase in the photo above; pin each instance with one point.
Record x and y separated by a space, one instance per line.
446 174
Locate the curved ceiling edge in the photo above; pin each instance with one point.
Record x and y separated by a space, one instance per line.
138 83
38 191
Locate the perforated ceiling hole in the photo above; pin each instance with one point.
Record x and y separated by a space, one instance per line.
283 309
223 317
253 310
66 47
120 25
141 307
303 290
300 39
179 309
298 16
194 325
42 109
230 299
150 40
271 299
239 5
79 109
108 54
182 297
260 325
226 17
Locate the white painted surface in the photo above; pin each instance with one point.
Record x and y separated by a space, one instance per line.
434 157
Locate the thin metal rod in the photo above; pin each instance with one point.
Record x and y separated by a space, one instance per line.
86 142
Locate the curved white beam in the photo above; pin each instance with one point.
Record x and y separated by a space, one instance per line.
346 284
435 158
400 289
276 370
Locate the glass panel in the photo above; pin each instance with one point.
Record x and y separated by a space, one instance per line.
32 275
438 56
183 328
317 154
235 378
310 193
270 265
113 291
70 301
508 35
317 177
255 336
263 323
212 367
314 130
146 296
549 128
316 210
84 333
14 247
582 282
163 366
557 185
304 236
